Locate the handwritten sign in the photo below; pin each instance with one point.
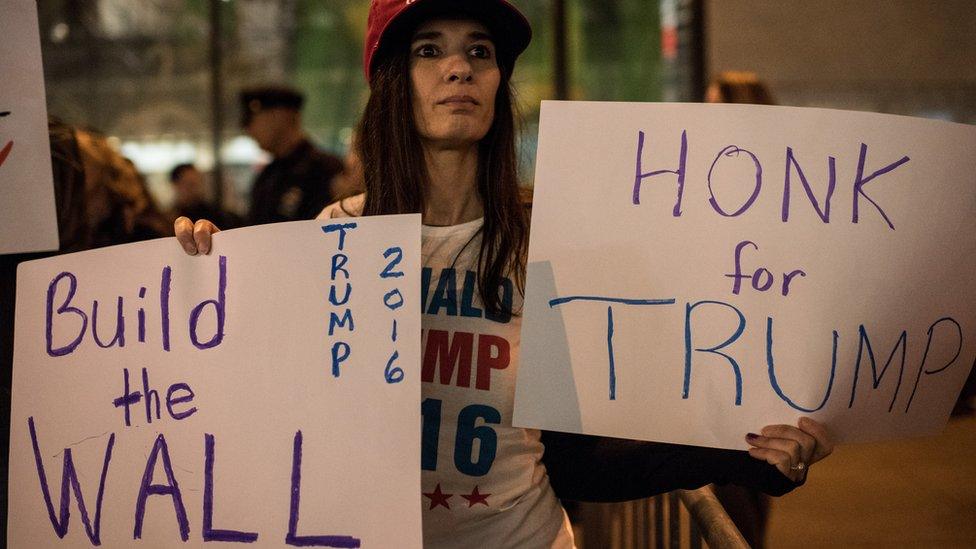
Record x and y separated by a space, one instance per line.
27 216
699 271
266 393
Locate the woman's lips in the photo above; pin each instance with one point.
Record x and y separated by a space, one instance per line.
458 100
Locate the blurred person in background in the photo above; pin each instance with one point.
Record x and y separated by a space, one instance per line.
100 200
190 198
738 87
118 206
297 184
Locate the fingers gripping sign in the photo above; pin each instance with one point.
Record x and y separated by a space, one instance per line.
792 450
194 237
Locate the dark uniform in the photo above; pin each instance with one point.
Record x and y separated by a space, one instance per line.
294 187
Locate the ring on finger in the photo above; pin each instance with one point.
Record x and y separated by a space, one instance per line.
798 467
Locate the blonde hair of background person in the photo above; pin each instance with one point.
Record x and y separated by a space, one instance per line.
119 207
738 87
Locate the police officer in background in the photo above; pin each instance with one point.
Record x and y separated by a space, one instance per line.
297 184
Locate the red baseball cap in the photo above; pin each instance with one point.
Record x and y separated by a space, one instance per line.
510 29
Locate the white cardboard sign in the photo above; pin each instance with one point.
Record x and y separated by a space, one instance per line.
27 216
283 391
699 271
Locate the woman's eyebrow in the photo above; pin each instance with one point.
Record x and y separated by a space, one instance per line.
478 35
429 35
433 35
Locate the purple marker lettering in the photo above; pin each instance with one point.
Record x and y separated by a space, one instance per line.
788 277
860 181
151 396
69 481
220 305
63 308
172 489
119 338
142 317
292 538
165 280
730 151
179 399
127 399
209 532
762 273
831 182
737 275
640 176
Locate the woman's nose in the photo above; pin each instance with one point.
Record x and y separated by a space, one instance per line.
458 69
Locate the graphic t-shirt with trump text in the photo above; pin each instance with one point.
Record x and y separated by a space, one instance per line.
483 483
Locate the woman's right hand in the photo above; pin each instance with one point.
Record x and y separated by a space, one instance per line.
792 450
194 237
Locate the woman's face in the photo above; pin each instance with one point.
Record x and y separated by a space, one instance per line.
454 75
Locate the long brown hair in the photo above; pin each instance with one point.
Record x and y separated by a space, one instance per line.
396 174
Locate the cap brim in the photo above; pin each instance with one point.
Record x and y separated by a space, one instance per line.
510 29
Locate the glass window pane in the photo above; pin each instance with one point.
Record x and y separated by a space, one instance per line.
615 50
136 72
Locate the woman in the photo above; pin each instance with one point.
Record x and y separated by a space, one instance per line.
437 137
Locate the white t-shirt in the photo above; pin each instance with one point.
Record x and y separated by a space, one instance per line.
483 482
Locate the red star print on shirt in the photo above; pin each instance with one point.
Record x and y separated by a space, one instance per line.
475 497
438 498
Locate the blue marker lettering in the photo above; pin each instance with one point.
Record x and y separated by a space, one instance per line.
341 228
714 350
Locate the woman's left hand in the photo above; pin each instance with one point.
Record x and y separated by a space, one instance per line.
792 450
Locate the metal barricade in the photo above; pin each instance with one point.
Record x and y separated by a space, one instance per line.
683 519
